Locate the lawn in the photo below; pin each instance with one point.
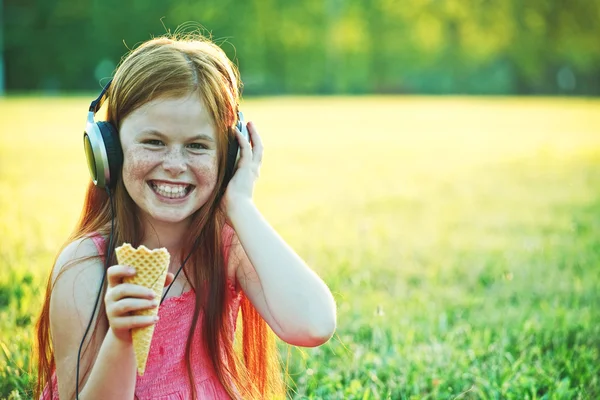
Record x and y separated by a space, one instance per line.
460 236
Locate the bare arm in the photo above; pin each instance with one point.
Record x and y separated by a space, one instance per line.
107 366
292 299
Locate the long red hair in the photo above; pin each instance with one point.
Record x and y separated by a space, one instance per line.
172 67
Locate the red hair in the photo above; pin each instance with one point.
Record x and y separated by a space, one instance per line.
167 67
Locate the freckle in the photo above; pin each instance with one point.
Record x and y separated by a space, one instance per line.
136 161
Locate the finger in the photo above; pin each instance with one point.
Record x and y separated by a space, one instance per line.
116 273
257 144
133 321
245 148
132 290
169 279
245 134
127 305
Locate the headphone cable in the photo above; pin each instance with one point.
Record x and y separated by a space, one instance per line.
164 296
106 262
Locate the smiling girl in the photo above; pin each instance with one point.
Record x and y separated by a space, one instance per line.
173 104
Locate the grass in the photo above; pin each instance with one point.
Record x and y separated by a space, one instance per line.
460 236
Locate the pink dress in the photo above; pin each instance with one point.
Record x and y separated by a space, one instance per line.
166 376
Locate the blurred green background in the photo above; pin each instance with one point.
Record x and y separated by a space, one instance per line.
459 234
323 46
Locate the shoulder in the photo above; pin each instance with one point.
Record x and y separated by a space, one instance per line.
82 247
80 255
76 277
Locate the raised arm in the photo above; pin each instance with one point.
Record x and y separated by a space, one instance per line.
292 299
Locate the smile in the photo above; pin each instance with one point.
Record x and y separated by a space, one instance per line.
170 190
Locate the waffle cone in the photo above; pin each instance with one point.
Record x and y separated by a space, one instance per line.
151 268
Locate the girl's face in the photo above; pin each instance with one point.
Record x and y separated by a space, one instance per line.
169 157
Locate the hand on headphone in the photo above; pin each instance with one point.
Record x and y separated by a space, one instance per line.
241 185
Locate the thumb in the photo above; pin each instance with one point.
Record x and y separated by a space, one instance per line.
170 277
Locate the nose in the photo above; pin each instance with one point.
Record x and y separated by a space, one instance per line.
175 162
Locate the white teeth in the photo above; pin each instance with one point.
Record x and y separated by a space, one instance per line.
170 191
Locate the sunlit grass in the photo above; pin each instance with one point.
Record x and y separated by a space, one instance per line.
460 236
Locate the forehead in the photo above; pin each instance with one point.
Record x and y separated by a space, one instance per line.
171 116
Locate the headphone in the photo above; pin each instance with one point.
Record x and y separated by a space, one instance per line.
105 156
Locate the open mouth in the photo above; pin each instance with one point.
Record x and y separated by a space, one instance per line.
171 191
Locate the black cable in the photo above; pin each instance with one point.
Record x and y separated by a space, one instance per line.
106 262
180 268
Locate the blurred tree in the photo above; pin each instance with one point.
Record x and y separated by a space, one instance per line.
321 46
1 48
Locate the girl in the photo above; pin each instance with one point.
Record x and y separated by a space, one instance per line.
173 104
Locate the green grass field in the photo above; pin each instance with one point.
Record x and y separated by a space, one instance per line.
460 236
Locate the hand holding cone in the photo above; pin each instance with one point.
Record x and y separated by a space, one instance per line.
151 271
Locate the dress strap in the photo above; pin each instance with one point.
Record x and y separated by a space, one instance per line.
99 241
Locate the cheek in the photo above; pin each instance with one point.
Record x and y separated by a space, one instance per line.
206 171
137 164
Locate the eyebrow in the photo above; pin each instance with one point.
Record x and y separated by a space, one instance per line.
154 132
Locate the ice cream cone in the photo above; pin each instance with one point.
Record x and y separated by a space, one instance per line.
151 271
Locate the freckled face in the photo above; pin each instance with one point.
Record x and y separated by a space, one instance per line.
170 158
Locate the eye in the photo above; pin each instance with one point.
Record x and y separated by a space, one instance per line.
153 142
197 146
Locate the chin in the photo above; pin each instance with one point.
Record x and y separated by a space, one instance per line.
172 218
174 213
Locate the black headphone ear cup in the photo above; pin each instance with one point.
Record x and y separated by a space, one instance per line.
114 152
232 151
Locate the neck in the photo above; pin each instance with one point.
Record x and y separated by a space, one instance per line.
165 234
